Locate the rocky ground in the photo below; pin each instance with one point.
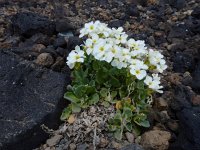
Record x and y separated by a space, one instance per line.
36 37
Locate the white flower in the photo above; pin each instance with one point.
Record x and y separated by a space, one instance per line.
89 43
154 83
112 52
121 38
139 44
100 50
116 50
77 48
76 55
112 46
138 72
124 55
117 31
106 31
138 63
89 46
95 38
138 47
90 26
160 68
119 64
156 59
83 32
102 29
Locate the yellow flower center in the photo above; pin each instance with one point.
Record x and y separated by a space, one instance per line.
101 48
113 51
136 48
137 71
77 57
91 27
133 45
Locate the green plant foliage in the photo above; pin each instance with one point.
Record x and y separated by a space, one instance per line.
66 113
103 84
110 69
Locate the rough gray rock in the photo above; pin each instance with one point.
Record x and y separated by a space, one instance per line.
196 12
132 147
183 62
63 25
196 78
179 4
178 31
28 24
189 121
45 59
189 135
29 97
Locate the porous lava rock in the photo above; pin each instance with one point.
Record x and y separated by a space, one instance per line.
29 97
28 24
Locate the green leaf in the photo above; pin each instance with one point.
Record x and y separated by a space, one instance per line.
114 94
129 127
85 105
117 120
136 130
143 94
140 85
105 104
80 76
80 90
101 76
94 99
118 134
127 112
140 119
95 65
75 108
90 90
103 92
112 128
122 93
92 83
114 101
83 90
145 123
114 81
71 97
108 98
66 113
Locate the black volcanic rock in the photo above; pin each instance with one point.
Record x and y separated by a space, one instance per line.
63 25
116 23
196 12
28 24
178 31
196 78
183 62
179 4
189 120
60 42
29 97
189 136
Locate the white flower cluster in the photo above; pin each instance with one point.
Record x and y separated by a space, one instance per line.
114 47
